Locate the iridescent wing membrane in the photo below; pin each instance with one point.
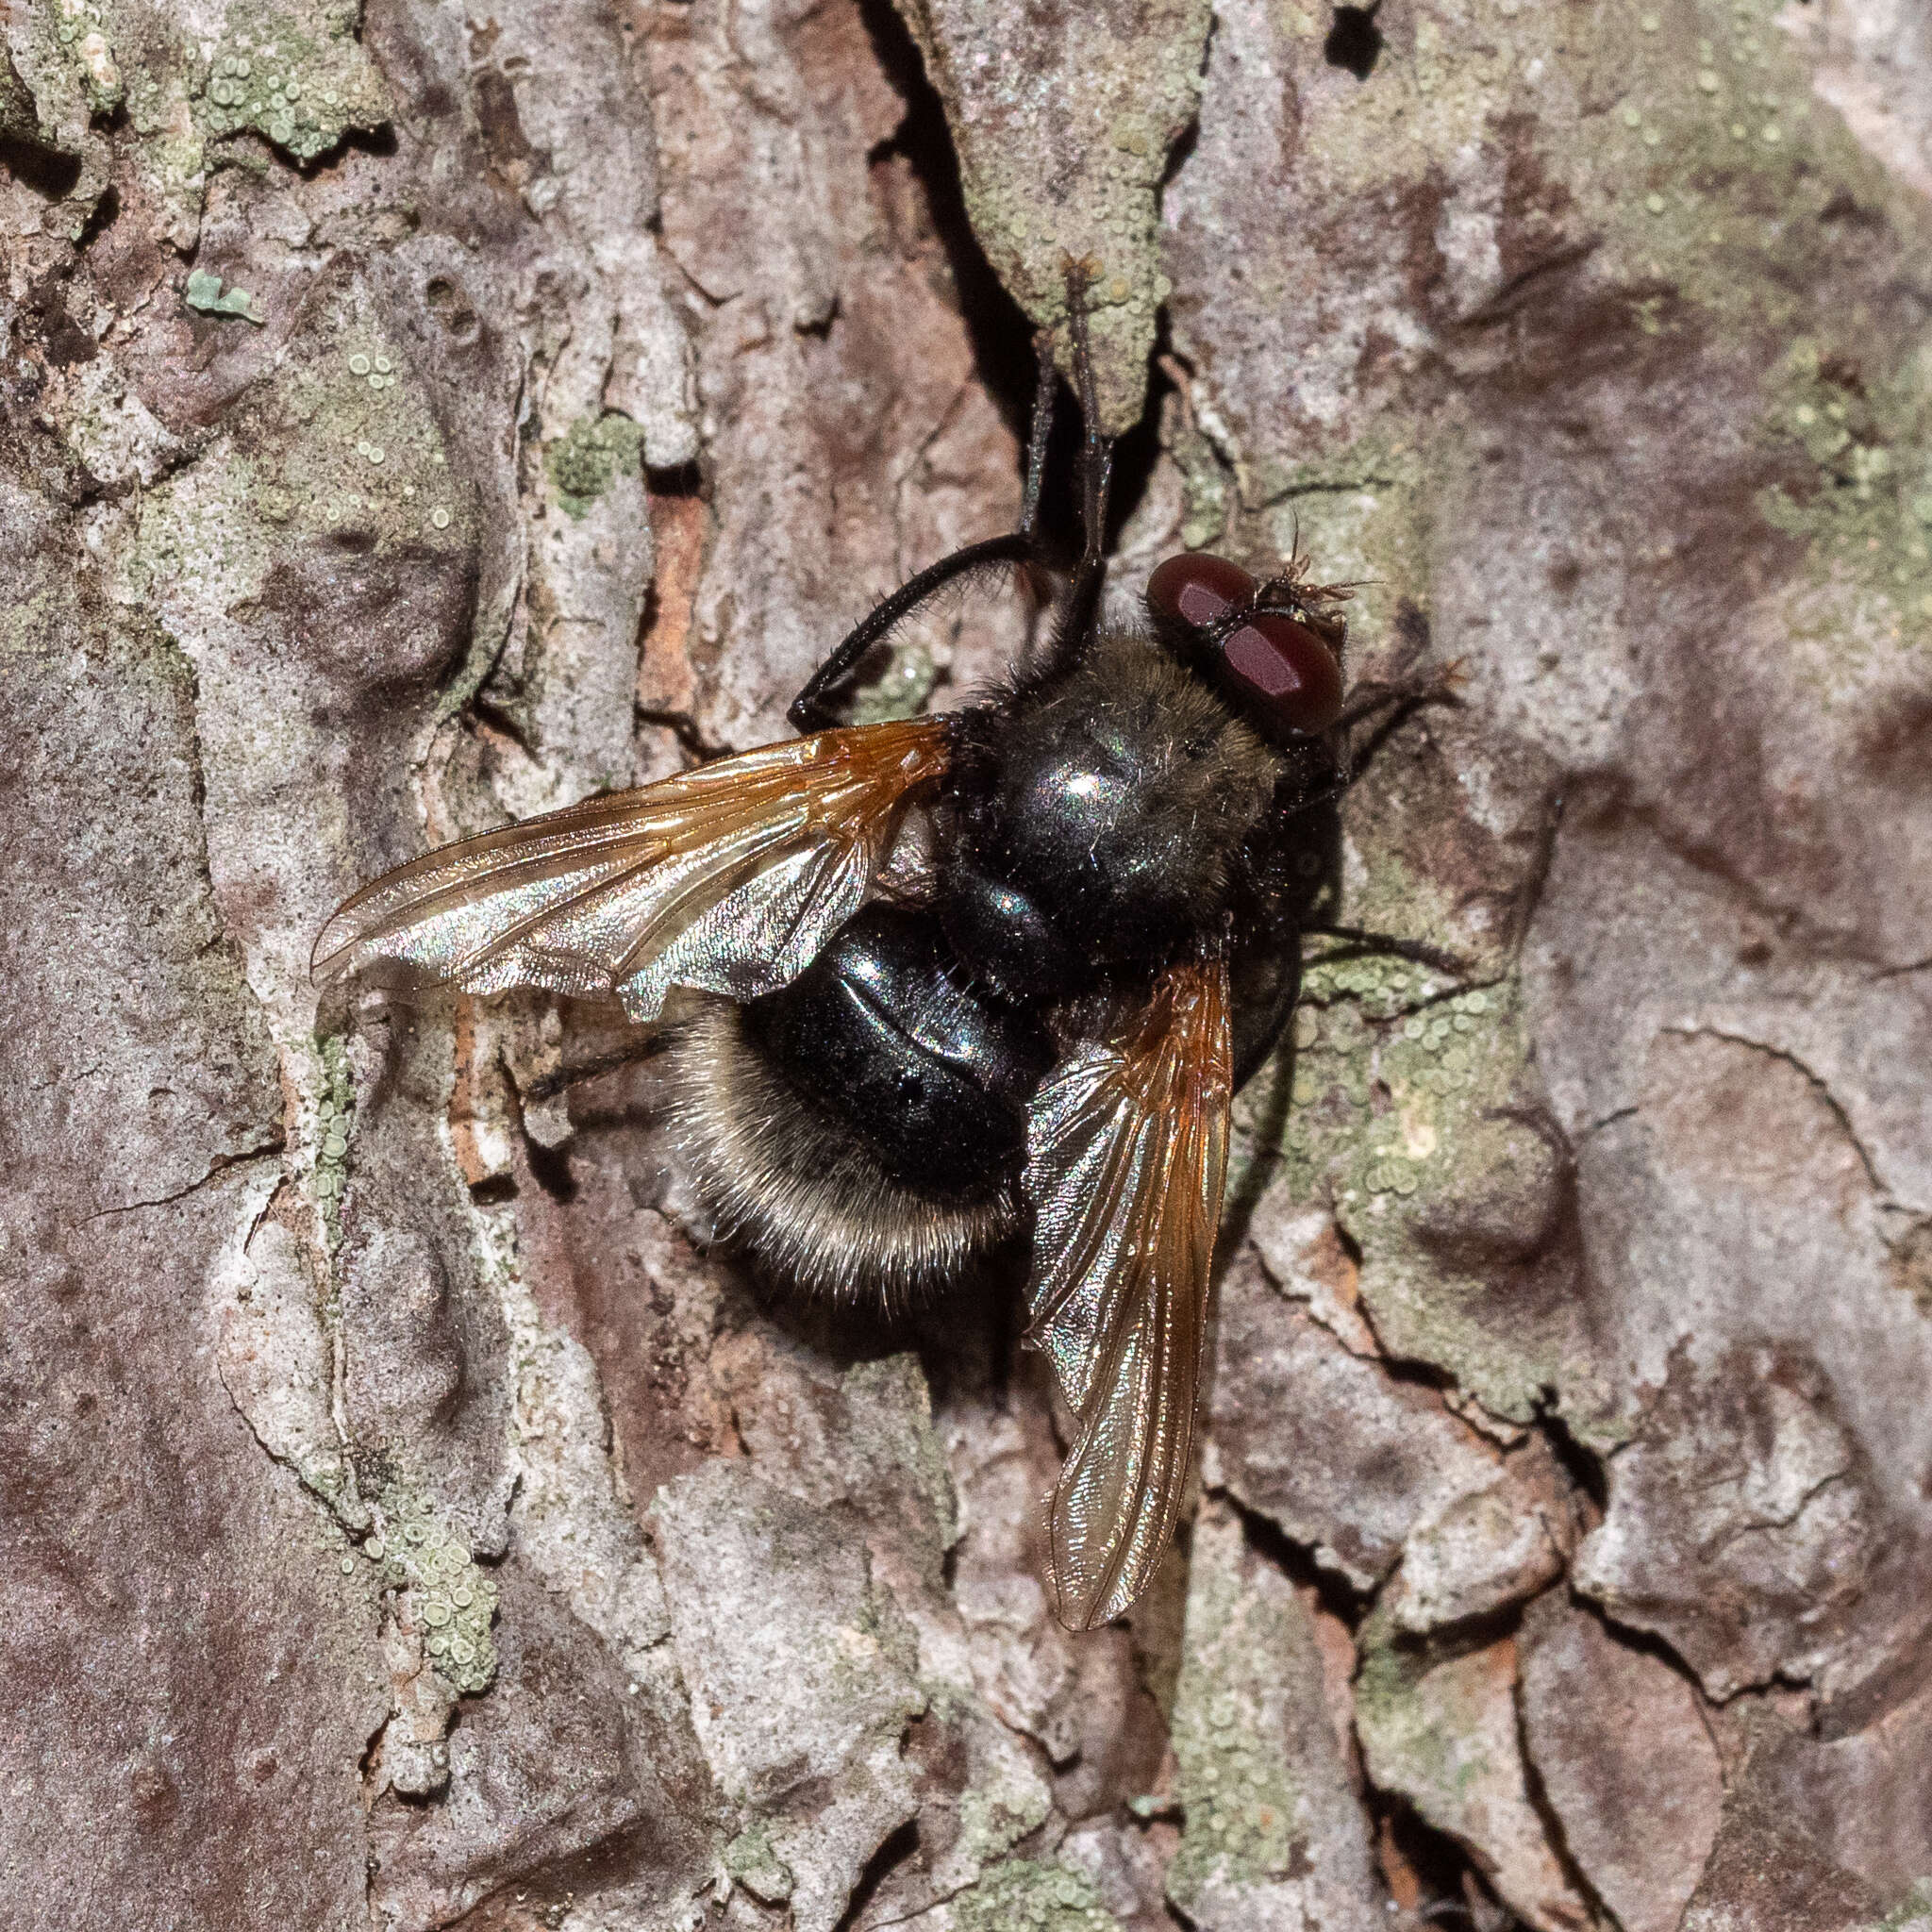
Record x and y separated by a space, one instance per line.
1127 1158
729 878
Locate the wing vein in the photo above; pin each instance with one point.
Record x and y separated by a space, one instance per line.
1126 1162
629 894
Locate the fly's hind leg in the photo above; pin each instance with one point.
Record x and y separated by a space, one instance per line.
813 709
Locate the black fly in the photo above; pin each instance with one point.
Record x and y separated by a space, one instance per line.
885 1068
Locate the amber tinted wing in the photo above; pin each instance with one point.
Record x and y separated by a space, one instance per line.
1126 1157
730 878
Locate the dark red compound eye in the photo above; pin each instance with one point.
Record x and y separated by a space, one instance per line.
1198 589
1285 667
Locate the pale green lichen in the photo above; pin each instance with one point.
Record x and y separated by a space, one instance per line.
81 32
1236 1786
1354 1015
1384 1693
321 451
326 1474
205 292
1443 1132
1426 1722
590 456
1867 515
147 99
348 440
899 689
992 1822
446 1596
1031 1895
1390 1718
1691 152
1350 999
752 1862
1429 1065
1240 1798
298 77
1732 187
335 1122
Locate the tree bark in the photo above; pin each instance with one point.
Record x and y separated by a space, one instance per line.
415 416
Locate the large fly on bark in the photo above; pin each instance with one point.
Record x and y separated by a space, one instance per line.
883 1068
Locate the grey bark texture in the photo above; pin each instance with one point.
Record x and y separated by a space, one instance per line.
416 415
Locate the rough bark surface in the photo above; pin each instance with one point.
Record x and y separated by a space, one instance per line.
416 415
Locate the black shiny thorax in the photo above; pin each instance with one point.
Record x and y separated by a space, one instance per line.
1099 821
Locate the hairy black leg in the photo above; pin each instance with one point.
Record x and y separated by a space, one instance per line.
1082 603
1401 698
1361 941
548 1086
1401 701
1043 380
810 710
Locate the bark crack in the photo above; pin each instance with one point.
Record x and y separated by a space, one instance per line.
684 726
1899 971
1817 1080
221 1165
1763 1526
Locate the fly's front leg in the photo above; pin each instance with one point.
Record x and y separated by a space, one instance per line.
1397 700
1442 686
813 709
1082 603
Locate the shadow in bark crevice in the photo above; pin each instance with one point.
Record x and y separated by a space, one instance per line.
997 327
51 174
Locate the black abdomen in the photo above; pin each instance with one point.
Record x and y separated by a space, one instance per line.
931 1073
